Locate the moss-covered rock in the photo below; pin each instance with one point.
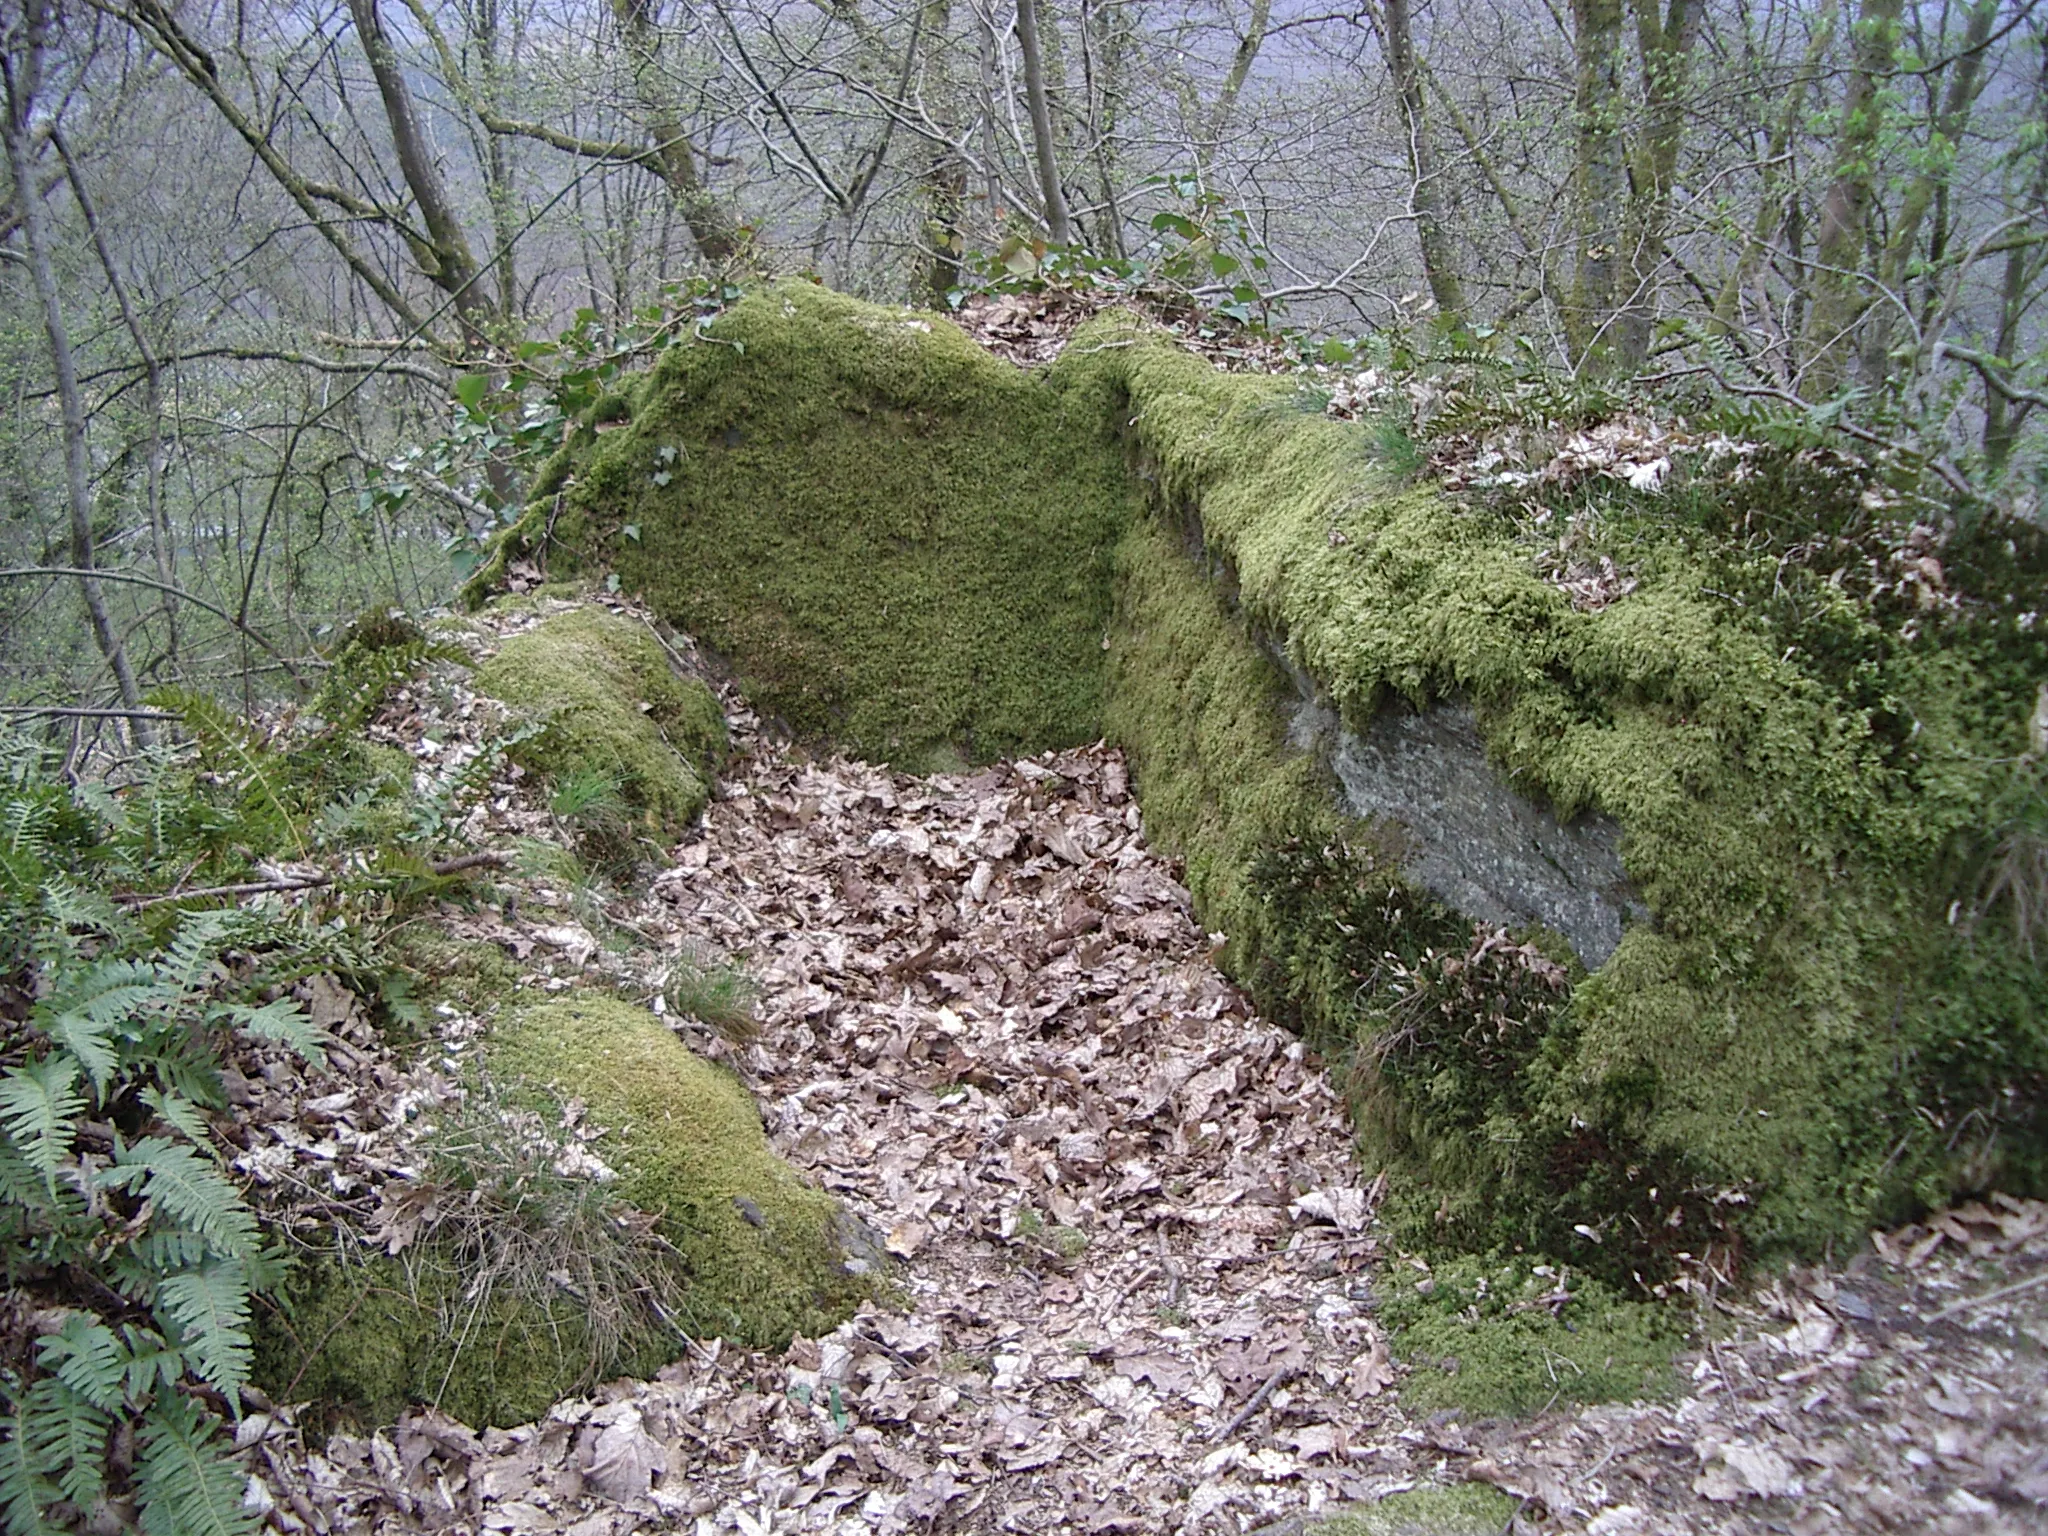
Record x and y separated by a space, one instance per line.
902 544
749 1252
1803 1040
613 706
365 1337
908 548
767 1256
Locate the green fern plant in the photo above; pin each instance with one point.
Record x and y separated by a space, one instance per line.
113 1199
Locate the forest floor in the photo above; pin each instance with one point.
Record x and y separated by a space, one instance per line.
1135 1263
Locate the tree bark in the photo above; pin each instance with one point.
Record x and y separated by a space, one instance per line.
23 78
1058 225
1665 43
1439 262
710 222
445 258
1840 294
1946 135
1596 41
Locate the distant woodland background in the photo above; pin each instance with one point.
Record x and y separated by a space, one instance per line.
293 295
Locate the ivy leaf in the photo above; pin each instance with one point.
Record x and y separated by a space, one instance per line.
470 390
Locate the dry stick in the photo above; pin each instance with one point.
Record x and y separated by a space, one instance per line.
73 712
308 883
1280 1374
1970 1302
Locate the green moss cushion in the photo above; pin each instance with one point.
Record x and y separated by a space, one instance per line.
611 705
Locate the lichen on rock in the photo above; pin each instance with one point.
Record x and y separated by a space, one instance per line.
611 704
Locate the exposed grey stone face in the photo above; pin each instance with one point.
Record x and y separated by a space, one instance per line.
1494 854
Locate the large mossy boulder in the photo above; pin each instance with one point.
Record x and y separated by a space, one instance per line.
1791 1028
902 543
610 705
492 1332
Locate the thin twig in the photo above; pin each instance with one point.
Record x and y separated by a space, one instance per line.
1281 1373
74 712
1970 1303
135 902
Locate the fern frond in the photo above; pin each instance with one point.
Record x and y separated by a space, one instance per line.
184 1115
183 1187
25 1487
208 1308
285 1022
84 1013
39 1109
67 1438
188 1486
87 1356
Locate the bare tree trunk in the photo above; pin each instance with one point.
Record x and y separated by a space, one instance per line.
23 77
1596 41
1777 198
1103 47
1058 226
1224 108
1840 295
1439 263
1665 43
1950 124
711 223
446 259
942 179
2024 264
162 546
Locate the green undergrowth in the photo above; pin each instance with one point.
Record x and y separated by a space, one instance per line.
1499 1338
901 543
1469 1510
1835 1014
612 713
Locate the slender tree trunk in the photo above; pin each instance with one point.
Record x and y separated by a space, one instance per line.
445 257
2024 263
1776 175
1840 296
1058 226
1439 261
1103 43
1665 43
23 77
711 223
1224 108
1926 189
1596 39
942 179
162 544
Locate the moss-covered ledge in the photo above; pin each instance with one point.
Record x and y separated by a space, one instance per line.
911 550
1801 1041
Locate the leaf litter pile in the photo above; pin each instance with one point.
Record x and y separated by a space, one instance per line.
1133 1258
